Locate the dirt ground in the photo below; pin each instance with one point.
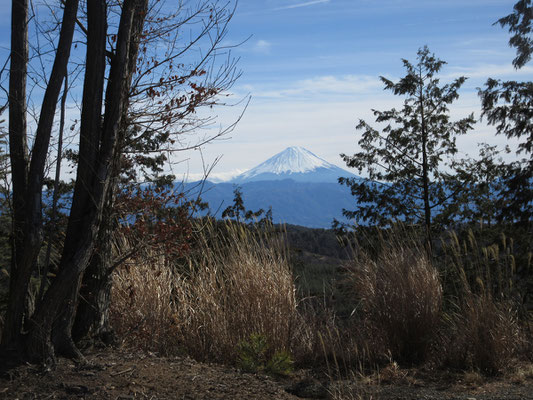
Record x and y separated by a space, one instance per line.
113 374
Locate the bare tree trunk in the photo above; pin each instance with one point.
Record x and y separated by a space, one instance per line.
92 314
18 156
84 207
55 198
94 175
28 190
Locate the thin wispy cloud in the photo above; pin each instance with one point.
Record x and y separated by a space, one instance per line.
323 86
490 70
262 46
298 5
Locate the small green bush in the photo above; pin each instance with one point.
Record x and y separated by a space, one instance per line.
252 353
254 357
280 364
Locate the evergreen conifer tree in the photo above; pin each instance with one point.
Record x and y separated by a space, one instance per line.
403 159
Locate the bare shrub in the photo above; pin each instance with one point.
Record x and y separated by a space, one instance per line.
401 296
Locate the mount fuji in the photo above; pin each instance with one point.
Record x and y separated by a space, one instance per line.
301 188
297 164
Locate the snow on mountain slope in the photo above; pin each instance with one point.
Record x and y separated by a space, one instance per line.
292 159
294 163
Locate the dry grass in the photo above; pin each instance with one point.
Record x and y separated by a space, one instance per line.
354 389
483 329
483 335
521 373
401 297
236 283
323 340
239 284
144 310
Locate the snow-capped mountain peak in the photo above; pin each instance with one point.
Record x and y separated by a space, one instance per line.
291 160
294 163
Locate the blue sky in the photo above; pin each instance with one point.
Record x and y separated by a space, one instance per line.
312 68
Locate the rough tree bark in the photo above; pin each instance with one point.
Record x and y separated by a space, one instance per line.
29 188
92 314
93 179
83 205
91 318
18 150
49 328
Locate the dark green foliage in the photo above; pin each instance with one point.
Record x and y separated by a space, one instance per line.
142 159
476 187
519 24
516 197
280 364
255 356
404 159
509 107
239 213
252 353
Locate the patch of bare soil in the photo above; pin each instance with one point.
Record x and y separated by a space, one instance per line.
437 385
120 375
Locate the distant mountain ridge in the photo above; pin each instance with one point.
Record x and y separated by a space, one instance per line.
301 188
296 163
308 204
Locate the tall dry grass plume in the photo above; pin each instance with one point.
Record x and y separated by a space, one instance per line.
484 331
235 283
239 283
235 291
143 308
400 296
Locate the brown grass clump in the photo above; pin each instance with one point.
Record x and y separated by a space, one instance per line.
401 297
321 340
239 284
483 329
521 373
233 299
143 309
357 387
483 335
235 283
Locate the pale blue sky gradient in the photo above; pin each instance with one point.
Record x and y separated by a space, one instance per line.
312 68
